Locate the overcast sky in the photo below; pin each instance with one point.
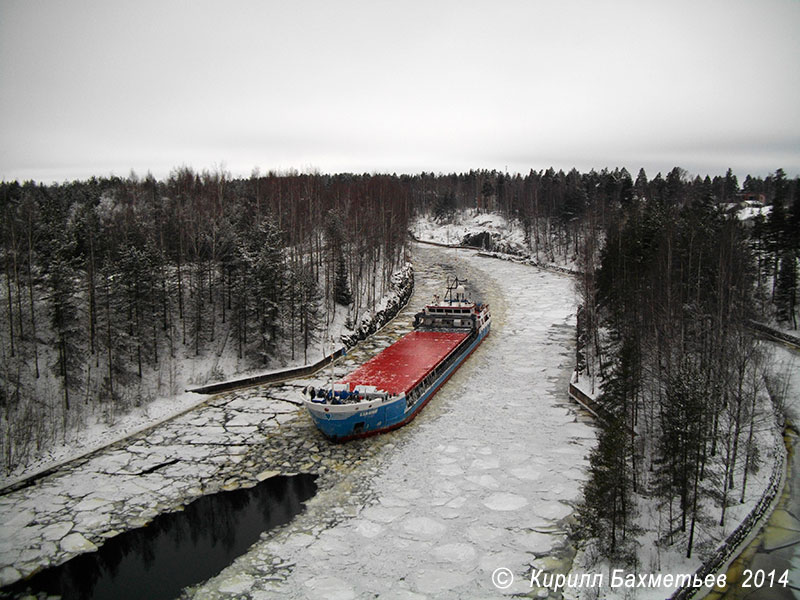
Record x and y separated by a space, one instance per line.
99 86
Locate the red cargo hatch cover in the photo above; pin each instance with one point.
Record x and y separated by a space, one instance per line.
402 365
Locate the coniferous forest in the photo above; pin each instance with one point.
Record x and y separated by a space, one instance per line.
112 285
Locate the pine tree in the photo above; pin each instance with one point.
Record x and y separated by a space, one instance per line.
268 278
64 321
786 289
240 288
444 205
605 510
640 187
680 446
730 187
341 288
308 307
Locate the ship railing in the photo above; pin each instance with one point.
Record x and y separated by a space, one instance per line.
324 396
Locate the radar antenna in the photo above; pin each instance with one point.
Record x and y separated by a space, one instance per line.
455 290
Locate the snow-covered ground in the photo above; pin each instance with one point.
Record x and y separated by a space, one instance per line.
751 211
786 363
470 223
507 238
779 547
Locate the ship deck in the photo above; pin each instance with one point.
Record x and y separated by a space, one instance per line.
401 366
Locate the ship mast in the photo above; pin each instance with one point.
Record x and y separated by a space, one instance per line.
457 286
333 360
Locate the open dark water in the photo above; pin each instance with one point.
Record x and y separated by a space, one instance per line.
176 549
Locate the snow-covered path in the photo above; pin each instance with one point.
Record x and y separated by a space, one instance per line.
482 480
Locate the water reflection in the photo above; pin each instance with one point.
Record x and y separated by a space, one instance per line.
176 549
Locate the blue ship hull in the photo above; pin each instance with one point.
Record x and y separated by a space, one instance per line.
350 421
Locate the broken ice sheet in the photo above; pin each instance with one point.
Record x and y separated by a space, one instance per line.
468 486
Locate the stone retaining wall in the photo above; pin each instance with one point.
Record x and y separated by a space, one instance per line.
776 334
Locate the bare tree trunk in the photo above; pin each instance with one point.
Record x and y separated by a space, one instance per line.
92 301
33 305
694 504
109 343
10 307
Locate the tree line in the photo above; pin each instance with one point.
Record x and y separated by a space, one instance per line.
567 216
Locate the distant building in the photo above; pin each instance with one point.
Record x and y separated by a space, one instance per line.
748 206
751 199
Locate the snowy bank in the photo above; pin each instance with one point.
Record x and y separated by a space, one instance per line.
490 233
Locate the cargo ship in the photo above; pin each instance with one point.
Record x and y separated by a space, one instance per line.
390 389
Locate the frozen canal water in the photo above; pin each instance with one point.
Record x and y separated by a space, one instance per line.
483 479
